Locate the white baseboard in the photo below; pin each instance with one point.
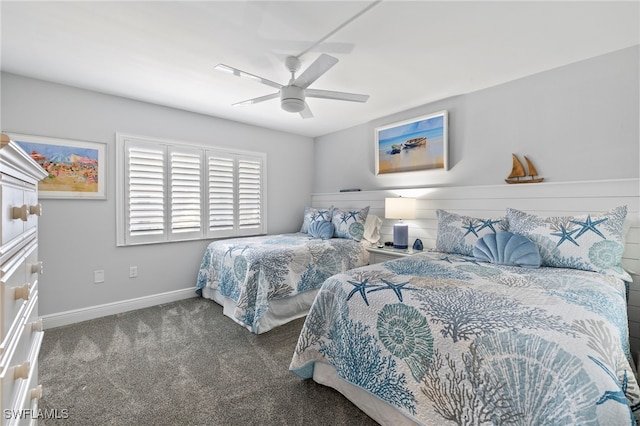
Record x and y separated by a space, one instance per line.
92 312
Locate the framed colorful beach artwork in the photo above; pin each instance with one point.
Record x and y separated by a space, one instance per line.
76 168
412 145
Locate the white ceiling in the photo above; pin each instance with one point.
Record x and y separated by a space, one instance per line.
403 54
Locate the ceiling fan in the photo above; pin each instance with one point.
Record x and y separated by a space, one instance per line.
293 94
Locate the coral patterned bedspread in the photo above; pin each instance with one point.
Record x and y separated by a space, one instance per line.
253 271
447 340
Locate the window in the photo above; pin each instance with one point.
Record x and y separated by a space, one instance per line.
174 191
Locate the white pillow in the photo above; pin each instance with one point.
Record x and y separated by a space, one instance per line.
372 229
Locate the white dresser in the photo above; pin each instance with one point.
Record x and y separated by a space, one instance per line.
20 327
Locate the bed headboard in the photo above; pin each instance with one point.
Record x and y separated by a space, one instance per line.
543 199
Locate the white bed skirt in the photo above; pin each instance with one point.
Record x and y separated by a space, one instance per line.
380 411
281 311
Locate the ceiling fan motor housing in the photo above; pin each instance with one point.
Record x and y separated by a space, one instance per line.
292 63
292 98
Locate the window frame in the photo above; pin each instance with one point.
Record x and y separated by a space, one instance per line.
125 142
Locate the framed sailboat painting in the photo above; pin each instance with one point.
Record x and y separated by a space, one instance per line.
412 145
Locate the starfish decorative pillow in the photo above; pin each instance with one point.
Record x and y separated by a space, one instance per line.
349 223
591 242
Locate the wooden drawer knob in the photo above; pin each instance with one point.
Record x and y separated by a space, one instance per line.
37 325
22 292
35 268
21 212
22 371
36 209
36 393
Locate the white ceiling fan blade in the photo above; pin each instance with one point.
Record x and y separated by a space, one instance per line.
243 74
257 100
306 112
315 70
339 96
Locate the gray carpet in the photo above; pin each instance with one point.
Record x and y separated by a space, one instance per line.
181 363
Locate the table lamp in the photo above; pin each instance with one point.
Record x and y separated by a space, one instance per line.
400 208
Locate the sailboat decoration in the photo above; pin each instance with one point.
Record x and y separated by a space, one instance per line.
518 171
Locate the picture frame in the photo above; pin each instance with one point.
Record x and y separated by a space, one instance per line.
413 145
77 169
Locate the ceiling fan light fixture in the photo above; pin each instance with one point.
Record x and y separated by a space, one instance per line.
292 99
292 105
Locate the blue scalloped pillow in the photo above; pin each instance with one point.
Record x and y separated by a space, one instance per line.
312 214
507 248
321 229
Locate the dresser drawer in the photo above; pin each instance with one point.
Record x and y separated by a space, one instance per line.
30 331
20 391
10 249
20 208
12 196
17 284
25 410
19 370
25 390
26 414
379 258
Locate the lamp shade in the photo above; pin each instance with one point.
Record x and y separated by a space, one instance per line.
400 208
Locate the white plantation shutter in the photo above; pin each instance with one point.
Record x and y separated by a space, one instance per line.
186 193
221 195
249 195
236 205
172 191
145 207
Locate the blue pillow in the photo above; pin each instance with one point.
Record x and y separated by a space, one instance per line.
507 248
321 229
312 214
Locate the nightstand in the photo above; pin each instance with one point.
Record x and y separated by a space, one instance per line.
378 255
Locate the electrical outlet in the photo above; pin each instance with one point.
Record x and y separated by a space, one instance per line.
133 271
98 276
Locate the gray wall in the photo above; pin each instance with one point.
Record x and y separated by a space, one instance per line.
578 122
79 237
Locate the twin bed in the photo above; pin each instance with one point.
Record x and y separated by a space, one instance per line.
519 319
265 281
